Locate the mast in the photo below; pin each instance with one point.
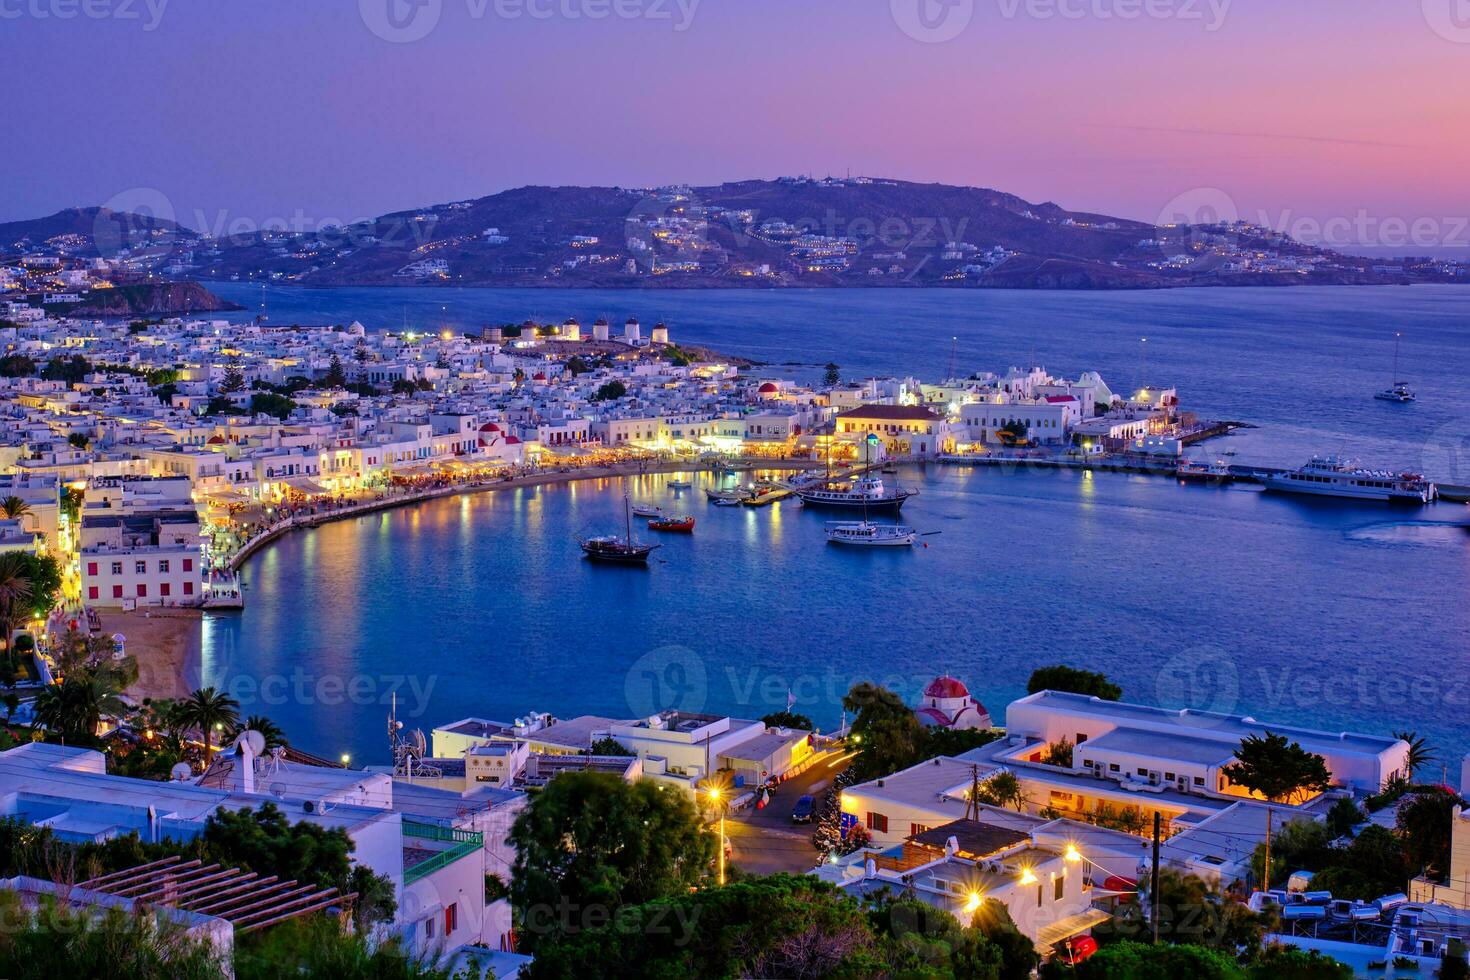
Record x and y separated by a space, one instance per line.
1396 337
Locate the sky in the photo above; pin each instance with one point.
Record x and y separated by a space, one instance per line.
1347 117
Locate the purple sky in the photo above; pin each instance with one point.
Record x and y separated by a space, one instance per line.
1353 110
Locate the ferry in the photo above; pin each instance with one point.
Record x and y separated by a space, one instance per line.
866 493
866 534
1333 476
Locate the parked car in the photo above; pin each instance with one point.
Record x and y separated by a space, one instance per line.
802 812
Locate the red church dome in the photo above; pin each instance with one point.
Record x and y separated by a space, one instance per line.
946 687
769 388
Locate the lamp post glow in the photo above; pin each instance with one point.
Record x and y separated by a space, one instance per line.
714 795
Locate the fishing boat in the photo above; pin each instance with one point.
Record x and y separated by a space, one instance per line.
1397 391
1334 476
727 501
725 497
679 525
866 534
681 484
1194 471
625 550
647 510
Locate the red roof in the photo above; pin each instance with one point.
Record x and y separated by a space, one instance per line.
512 440
769 388
946 687
1054 399
216 441
933 716
538 376
489 427
891 413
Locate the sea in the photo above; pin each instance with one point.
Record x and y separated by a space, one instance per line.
1330 614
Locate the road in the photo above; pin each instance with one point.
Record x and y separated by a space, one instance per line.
766 841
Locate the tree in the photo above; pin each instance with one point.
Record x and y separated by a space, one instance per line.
1059 753
884 729
1280 771
1281 962
1344 816
832 375
16 366
1190 912
1074 681
787 719
316 948
51 939
69 369
335 376
268 403
76 705
1425 823
593 843
14 507
777 926
1420 754
268 729
1142 961
233 380
607 745
1002 789
15 591
610 391
44 574
206 709
78 440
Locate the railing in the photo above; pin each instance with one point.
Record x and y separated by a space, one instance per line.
466 842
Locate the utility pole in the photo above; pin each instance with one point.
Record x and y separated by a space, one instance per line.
1153 885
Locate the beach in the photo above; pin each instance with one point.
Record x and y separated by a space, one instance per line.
165 642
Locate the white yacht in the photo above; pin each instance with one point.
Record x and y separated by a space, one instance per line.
866 534
1333 476
866 493
1398 391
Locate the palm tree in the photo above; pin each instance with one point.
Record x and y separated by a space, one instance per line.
74 707
15 591
14 507
205 709
260 723
1420 754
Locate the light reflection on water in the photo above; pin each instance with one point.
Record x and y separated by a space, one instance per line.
488 599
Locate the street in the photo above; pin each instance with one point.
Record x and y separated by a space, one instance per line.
766 841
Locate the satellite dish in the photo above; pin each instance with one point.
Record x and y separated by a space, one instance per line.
278 790
420 744
180 772
255 740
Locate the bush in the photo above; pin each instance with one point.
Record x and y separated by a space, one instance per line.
1063 678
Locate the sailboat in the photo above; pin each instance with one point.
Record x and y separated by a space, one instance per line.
1399 391
625 550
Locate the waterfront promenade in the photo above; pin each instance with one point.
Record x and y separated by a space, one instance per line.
316 513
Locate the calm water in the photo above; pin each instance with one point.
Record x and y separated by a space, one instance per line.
1331 614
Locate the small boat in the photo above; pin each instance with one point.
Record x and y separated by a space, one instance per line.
626 550
679 525
866 534
888 468
1193 471
681 484
1398 391
721 496
727 501
648 510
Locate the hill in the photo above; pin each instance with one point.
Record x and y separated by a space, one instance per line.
762 233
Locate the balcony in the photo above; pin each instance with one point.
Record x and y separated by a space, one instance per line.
421 859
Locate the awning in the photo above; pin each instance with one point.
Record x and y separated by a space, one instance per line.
305 485
1049 937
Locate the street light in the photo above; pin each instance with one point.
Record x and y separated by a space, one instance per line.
714 795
